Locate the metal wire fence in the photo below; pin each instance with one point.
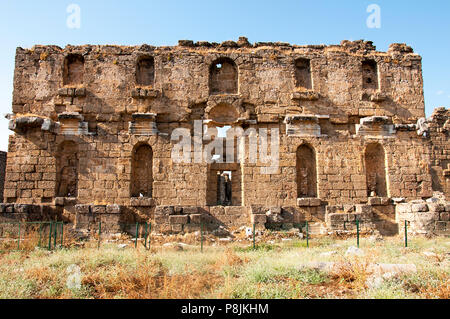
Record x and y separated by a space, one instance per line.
53 234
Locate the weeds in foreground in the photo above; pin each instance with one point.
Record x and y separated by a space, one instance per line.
274 270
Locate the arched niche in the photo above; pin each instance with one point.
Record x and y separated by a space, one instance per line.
67 170
374 158
145 71
141 184
223 77
73 72
306 172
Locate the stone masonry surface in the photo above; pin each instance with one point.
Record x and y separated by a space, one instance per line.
92 135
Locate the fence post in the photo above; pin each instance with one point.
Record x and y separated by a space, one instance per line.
62 234
40 234
137 230
99 233
357 233
18 241
201 237
55 234
145 234
149 234
406 233
307 235
50 236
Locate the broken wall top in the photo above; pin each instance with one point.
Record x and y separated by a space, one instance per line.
266 81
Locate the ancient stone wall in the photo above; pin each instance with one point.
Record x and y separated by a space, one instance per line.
439 132
97 126
3 156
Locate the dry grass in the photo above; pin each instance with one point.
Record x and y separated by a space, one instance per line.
233 271
151 280
351 274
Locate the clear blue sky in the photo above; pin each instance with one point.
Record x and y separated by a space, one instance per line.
422 24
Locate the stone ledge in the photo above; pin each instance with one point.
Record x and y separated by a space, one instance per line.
144 116
305 96
302 125
308 202
178 219
22 123
141 93
63 201
72 92
379 201
378 97
142 201
143 124
70 116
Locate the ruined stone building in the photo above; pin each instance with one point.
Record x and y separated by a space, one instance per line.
93 137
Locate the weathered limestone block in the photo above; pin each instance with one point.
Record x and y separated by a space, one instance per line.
141 93
98 209
378 201
113 209
436 207
302 125
143 124
72 123
188 210
176 228
375 126
444 217
419 207
258 218
178 219
161 219
337 218
142 201
196 218
164 210
305 96
305 202
363 209
82 209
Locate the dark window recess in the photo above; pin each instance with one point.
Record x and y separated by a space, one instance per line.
370 74
73 69
142 172
224 188
306 172
145 71
303 73
223 77
67 170
375 170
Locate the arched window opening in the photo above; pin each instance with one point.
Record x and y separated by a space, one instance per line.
306 172
375 171
145 71
67 170
73 69
223 77
142 171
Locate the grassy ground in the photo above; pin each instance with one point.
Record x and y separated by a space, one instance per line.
226 271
